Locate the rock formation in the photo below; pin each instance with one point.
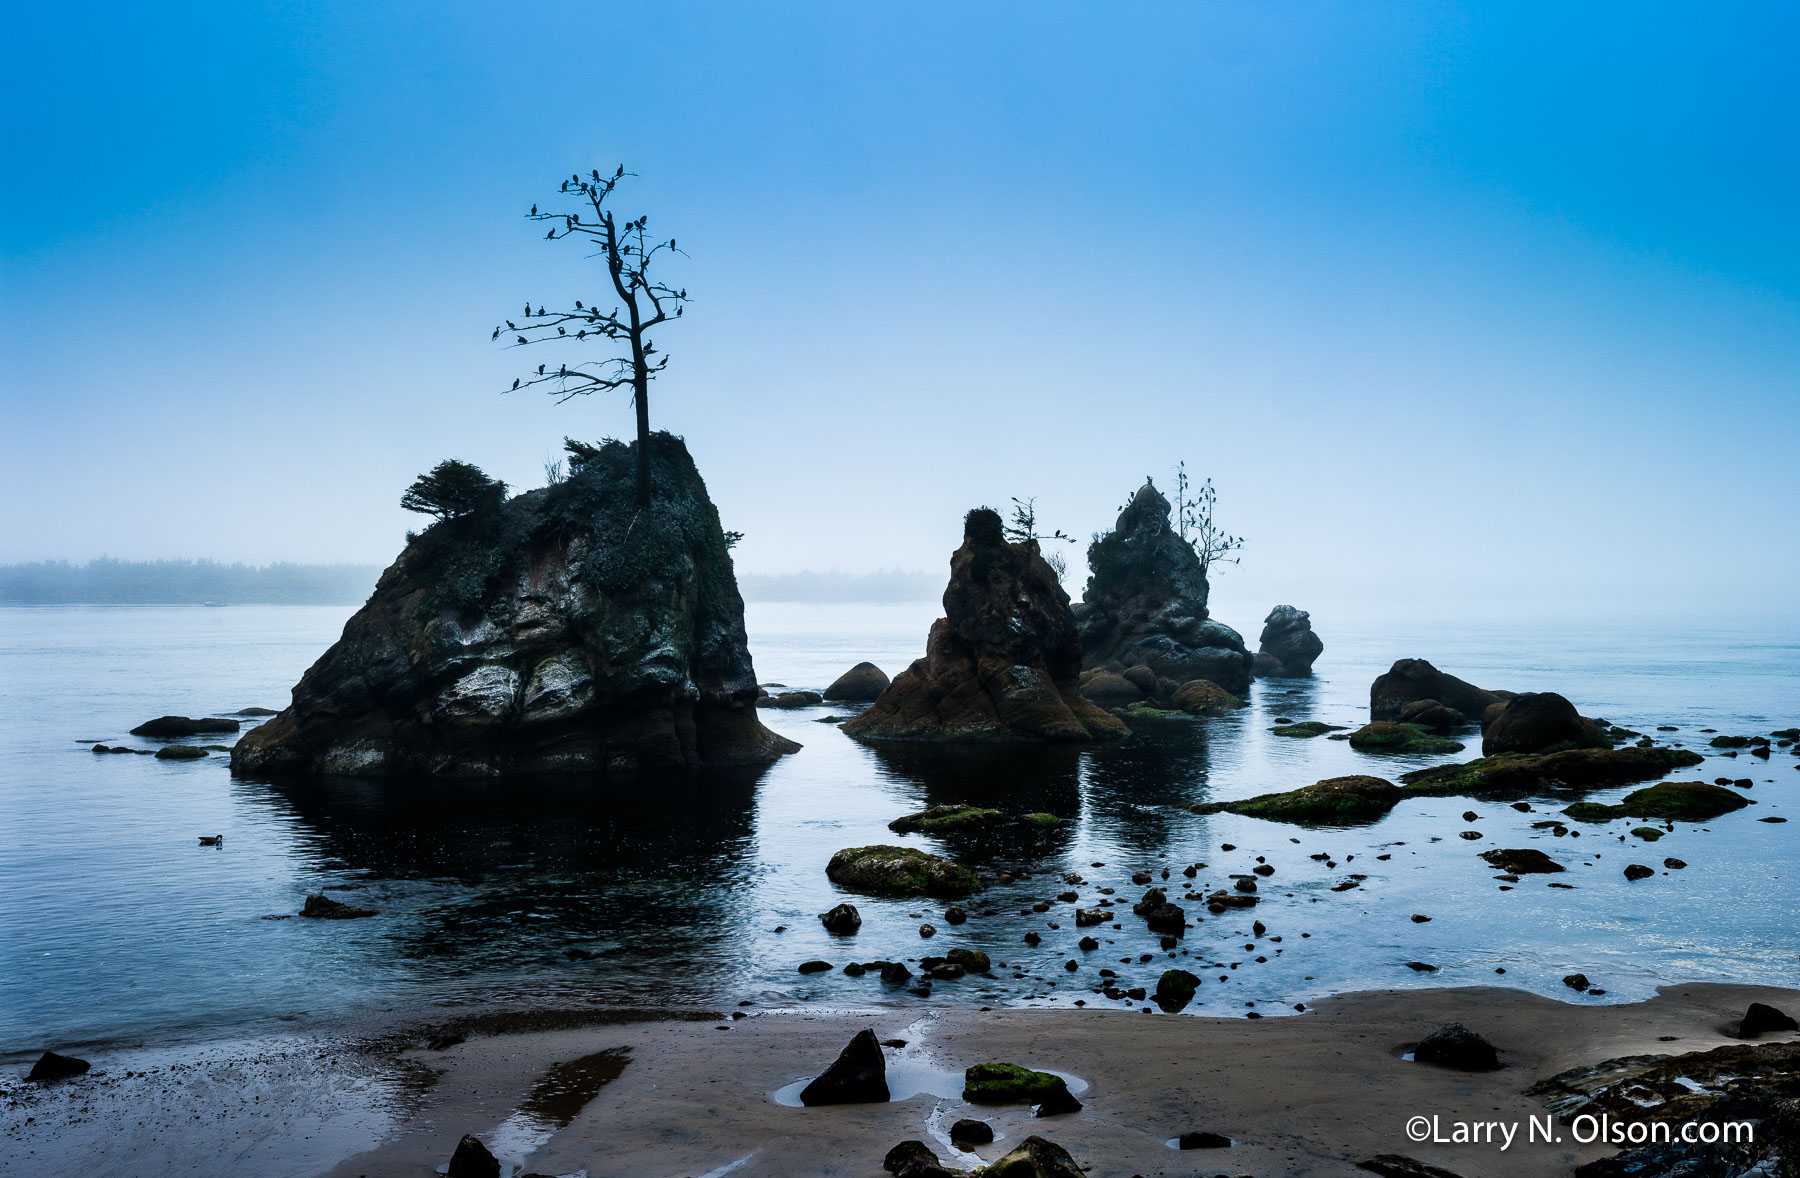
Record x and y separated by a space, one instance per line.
1540 722
1288 647
1002 662
1145 605
562 630
1410 680
860 684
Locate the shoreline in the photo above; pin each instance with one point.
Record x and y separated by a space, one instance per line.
637 1093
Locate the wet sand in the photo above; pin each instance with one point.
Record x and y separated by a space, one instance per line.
640 1095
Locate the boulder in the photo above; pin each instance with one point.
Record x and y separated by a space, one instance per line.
1395 1165
1175 989
1429 713
844 919
1008 1083
472 1160
1145 603
51 1066
1266 666
179 752
857 1076
1683 801
1003 661
1035 1158
1386 736
972 1131
1109 689
1336 801
862 683
1522 861
912 1159
1456 1046
899 871
561 630
323 907
1409 680
1203 1140
791 699
1759 1019
1202 697
1577 768
951 816
1288 639
1540 722
168 726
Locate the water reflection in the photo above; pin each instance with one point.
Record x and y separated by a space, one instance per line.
1015 779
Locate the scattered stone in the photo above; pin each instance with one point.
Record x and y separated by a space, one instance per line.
1759 1019
955 914
1305 729
947 818
1648 833
472 1160
179 752
857 1076
1203 1140
1394 1165
1581 768
1059 1103
926 930
899 871
1035 1157
1429 713
1420 918
972 1131
894 972
1686 801
1421 967
254 712
1674 864
1522 861
843 920
52 1066
1203 697
323 907
1576 981
814 966
907 1156
862 683
1456 1046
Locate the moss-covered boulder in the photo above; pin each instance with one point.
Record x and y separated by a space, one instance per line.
1305 729
1575 768
947 818
1175 989
1676 801
1033 1157
973 960
1038 820
899 871
1202 697
1540 722
1336 801
562 630
1522 861
1145 603
1001 664
1008 1083
1384 736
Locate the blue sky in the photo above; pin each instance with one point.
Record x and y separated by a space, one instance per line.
1457 304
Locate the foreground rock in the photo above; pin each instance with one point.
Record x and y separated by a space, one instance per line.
1540 722
1035 1157
1336 801
1002 662
472 1160
1762 1019
1411 680
1684 801
857 1076
51 1066
562 630
1517 772
1288 647
914 1159
860 684
1456 1046
842 919
1145 605
168 726
899 871
1008 1083
1175 989
1396 1165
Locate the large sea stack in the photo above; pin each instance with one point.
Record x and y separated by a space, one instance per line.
1002 662
1288 645
562 630
1145 604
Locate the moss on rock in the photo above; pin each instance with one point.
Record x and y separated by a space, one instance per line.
1383 736
946 818
899 871
1305 728
1336 801
1008 1083
1580 768
1683 801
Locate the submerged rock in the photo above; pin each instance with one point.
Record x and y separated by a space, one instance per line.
179 752
167 726
561 630
1429 713
1145 603
1383 736
323 907
1002 662
1410 680
1540 722
1686 801
857 1076
1288 647
899 871
1456 1046
1336 801
1305 729
860 684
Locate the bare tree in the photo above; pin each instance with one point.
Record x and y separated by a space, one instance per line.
1194 515
643 303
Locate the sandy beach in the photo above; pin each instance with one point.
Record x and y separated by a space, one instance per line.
635 1094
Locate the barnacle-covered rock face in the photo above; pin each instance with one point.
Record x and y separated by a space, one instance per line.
563 630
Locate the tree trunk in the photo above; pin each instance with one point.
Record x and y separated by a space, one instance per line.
641 394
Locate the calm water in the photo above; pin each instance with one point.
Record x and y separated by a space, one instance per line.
115 923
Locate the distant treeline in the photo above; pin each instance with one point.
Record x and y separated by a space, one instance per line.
834 586
184 582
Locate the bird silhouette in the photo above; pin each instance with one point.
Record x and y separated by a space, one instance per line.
522 340
496 334
562 331
534 210
540 370
578 304
515 382
550 236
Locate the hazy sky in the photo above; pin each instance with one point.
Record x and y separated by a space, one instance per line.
1466 304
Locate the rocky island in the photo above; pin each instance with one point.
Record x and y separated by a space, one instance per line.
562 630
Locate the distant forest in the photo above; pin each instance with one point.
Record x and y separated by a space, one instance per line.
184 582
197 582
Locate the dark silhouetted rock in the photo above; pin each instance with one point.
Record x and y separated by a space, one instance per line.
1762 1018
972 1131
951 816
254 712
1109 689
323 907
167 726
1409 680
843 919
1540 722
789 700
1429 713
51 1066
1579 768
1385 736
1288 639
857 1076
472 1160
562 630
1059 1102
1575 981
1522 861
862 683
179 752
814 966
1003 661
1336 801
1393 1165
910 1158
1175 989
1456 1046
1203 1140
1035 1157
1145 603
899 871
1202 697
1638 871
